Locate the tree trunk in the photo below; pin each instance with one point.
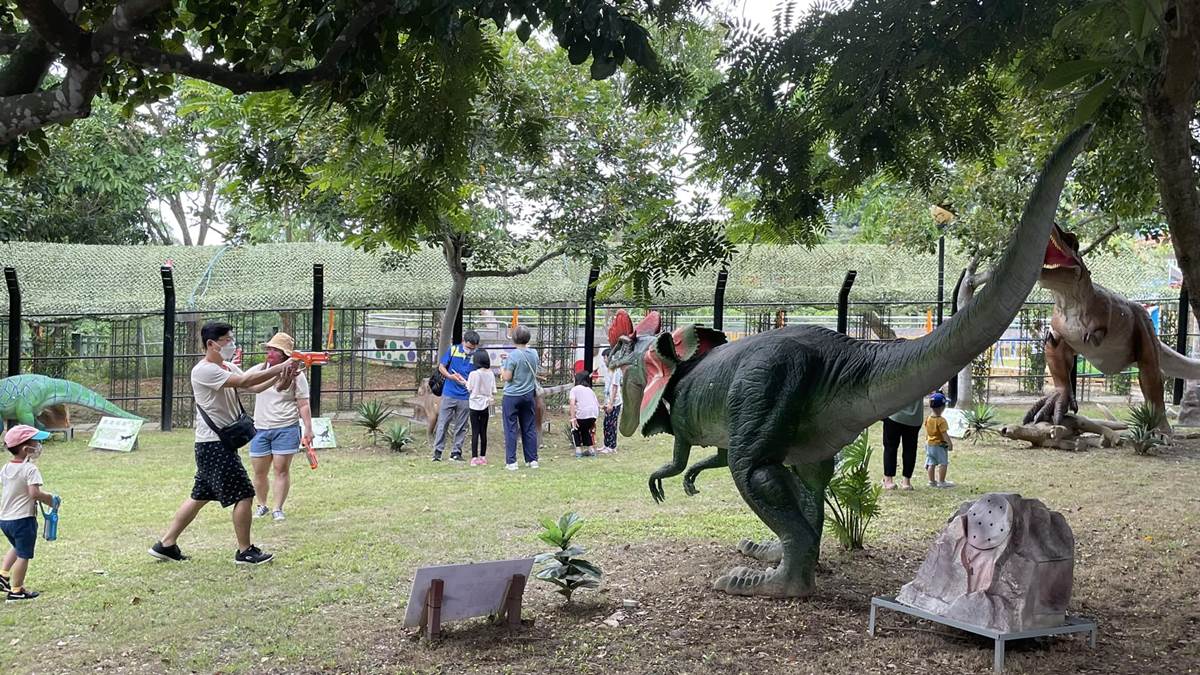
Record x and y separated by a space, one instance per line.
1168 108
966 291
452 252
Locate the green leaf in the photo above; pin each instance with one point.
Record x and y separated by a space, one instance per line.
1066 73
1090 103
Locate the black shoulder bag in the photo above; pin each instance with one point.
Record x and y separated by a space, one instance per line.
235 435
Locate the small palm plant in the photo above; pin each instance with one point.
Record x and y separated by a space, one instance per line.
1144 424
564 568
398 437
371 416
981 422
852 497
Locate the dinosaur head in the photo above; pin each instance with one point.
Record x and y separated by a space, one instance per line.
1062 264
627 348
650 359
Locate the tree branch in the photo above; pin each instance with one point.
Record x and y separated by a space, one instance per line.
57 29
1100 240
136 51
520 270
23 113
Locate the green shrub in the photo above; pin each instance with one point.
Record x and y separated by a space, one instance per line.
852 497
564 568
371 416
981 422
398 437
1144 424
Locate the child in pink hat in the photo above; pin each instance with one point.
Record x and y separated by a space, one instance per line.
20 491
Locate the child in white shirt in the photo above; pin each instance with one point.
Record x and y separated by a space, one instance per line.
481 392
584 410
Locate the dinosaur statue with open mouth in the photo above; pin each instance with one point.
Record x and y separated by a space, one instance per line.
779 405
1110 331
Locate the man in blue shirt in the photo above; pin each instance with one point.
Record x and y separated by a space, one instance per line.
455 366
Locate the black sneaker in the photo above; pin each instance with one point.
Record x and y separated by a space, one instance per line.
456 458
170 553
5 586
437 458
252 556
25 594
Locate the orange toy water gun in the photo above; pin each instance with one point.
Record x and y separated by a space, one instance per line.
310 359
312 454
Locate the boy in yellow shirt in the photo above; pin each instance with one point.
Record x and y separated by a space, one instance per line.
937 442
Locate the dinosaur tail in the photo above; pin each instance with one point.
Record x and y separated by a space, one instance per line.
64 391
1174 364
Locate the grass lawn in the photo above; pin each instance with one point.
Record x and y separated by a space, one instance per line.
357 528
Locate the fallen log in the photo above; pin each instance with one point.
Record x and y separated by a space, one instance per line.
1076 433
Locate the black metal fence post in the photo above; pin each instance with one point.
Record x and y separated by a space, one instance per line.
941 278
952 385
843 305
1181 340
318 310
589 320
168 350
719 299
14 321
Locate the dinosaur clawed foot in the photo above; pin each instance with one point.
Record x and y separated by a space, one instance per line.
772 582
689 483
1051 408
767 551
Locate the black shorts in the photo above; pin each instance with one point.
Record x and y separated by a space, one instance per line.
584 434
220 476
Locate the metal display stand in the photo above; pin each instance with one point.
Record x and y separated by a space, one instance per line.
1074 624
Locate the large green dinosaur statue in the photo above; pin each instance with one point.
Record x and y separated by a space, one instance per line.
1110 331
23 397
781 404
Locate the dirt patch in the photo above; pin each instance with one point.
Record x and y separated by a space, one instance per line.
679 625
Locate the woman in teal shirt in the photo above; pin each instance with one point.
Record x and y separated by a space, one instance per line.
520 376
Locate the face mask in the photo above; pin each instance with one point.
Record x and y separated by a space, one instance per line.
274 358
228 351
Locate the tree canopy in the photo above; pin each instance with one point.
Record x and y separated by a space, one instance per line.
130 51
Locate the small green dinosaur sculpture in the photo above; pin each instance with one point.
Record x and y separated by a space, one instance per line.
779 405
24 397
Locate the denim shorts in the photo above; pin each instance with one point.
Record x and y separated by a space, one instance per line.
936 454
22 533
282 441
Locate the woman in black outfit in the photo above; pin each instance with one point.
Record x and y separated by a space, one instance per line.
902 426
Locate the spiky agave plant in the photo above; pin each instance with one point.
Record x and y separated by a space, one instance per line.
853 498
371 416
981 422
1144 424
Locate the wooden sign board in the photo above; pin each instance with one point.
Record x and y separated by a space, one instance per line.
323 433
116 433
456 592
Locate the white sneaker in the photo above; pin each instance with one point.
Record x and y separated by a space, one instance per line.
261 510
511 467
277 515
533 464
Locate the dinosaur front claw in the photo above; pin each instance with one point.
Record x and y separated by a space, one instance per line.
689 484
656 490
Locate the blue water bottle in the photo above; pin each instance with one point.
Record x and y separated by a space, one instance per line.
50 531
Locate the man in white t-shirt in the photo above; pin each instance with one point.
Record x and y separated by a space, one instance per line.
220 475
279 409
